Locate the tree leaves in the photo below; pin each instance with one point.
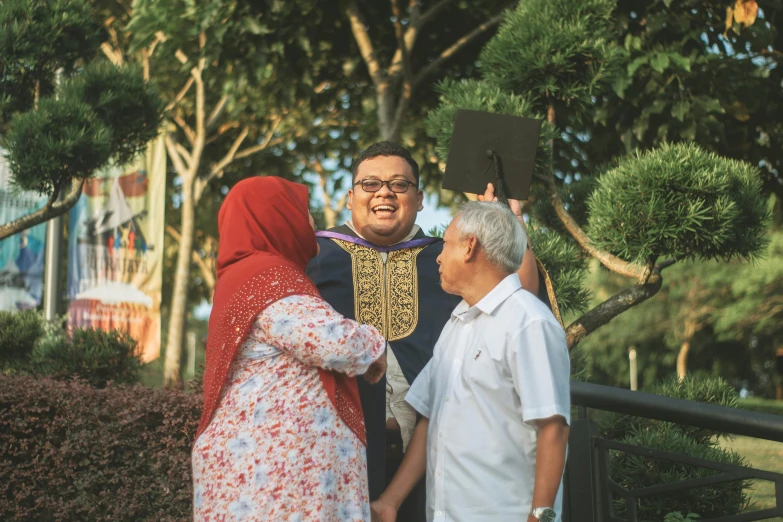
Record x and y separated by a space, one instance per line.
743 13
678 201
680 109
659 61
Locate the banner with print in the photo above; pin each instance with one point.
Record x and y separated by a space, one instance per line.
21 255
115 256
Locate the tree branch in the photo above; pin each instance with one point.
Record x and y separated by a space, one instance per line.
182 124
114 55
365 44
400 64
51 210
432 12
613 263
222 130
206 273
217 111
176 159
264 144
181 94
185 155
612 307
456 46
217 168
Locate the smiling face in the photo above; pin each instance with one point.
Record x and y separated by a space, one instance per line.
384 217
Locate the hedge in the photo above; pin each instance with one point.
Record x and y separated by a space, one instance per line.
69 451
762 405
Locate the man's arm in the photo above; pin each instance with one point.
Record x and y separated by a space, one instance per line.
408 475
550 461
528 271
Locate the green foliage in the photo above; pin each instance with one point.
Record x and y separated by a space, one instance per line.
678 201
773 407
553 50
756 294
93 355
36 38
123 102
105 113
18 333
685 77
47 33
677 515
634 471
566 267
480 96
51 144
735 319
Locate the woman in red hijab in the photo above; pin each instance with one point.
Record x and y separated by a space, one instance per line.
282 433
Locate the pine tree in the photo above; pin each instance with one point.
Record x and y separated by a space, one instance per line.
65 112
550 60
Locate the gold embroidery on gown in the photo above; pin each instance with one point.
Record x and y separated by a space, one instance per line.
385 296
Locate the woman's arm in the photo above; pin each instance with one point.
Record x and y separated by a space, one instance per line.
311 331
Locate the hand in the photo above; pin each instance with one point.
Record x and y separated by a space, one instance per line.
376 370
383 511
489 195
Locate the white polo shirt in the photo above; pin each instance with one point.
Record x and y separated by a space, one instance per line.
497 366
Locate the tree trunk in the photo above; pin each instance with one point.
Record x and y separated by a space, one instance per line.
330 217
682 360
387 129
685 347
179 297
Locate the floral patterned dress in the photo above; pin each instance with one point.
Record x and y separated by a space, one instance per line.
276 450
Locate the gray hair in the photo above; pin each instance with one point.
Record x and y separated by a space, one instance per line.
501 236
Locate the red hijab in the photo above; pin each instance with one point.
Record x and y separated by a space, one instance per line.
266 242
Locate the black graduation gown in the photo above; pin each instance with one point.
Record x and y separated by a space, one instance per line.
403 299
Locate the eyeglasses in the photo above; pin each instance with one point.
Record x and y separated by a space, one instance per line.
398 186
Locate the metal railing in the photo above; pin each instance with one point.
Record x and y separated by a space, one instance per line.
589 488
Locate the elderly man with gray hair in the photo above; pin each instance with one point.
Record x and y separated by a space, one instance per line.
494 399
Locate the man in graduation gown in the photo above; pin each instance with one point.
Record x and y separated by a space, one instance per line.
379 268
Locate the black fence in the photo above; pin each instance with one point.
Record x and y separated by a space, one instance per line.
589 488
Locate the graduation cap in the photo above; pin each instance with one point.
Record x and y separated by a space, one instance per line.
492 148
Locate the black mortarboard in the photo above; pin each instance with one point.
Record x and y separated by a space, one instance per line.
486 148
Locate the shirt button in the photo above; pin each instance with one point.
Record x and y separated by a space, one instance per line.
440 434
439 513
447 398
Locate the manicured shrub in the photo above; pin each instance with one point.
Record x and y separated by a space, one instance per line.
70 451
18 333
634 471
94 355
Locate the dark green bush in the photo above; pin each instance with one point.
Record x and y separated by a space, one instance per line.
18 333
761 405
633 471
72 452
93 355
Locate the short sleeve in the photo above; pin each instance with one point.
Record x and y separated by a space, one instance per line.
540 368
419 395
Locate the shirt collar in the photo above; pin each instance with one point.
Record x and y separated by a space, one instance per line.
414 231
489 303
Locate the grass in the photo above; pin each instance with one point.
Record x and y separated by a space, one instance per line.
760 454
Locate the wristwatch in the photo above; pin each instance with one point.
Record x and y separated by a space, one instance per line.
543 514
